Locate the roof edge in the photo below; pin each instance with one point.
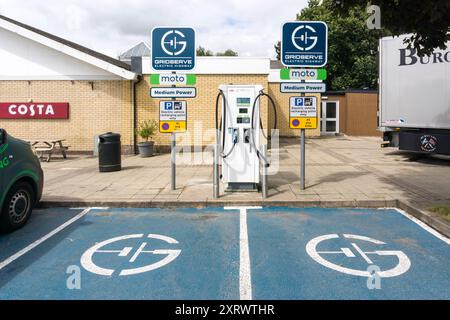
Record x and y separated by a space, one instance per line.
70 48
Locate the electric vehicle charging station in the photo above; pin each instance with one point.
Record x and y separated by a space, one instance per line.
239 155
240 163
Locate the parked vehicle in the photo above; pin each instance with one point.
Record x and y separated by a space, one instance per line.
21 182
414 102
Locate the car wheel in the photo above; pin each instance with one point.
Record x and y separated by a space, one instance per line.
17 207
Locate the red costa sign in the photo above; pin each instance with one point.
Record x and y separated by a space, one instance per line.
38 110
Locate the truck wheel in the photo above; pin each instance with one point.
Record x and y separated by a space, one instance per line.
17 207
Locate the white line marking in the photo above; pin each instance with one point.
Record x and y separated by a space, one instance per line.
91 208
245 277
348 253
365 257
163 238
363 238
125 251
171 255
138 252
403 265
423 225
44 238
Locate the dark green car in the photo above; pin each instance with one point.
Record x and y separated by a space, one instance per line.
21 182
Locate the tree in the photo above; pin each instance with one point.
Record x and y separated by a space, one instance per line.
202 52
277 47
227 53
352 47
428 21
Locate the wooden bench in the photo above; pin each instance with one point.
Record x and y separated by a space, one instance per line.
47 147
41 151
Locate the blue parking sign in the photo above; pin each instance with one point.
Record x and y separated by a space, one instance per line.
299 102
173 48
168 105
304 44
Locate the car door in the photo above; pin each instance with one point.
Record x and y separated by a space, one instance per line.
3 161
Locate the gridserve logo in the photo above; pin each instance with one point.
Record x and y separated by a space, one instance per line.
173 49
304 44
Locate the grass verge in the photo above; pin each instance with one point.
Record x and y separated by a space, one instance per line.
442 210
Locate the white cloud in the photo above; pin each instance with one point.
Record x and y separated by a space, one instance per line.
250 27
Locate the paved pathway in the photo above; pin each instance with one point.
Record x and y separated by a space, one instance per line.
338 169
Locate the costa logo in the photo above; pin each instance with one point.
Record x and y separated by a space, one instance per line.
41 110
428 143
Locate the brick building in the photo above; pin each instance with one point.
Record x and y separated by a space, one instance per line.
104 94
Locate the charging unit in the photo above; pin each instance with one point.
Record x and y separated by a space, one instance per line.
240 160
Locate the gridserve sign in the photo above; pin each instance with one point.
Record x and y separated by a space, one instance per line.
304 44
173 48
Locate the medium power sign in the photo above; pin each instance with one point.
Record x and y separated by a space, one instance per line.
304 44
172 116
303 113
38 110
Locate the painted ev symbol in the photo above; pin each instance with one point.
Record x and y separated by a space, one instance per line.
302 40
171 44
169 255
402 266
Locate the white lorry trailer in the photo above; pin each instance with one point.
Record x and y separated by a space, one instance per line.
414 101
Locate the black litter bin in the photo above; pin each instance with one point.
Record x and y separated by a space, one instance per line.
109 152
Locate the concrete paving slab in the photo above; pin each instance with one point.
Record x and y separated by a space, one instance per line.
338 169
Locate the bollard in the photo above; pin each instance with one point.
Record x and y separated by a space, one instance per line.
264 172
216 182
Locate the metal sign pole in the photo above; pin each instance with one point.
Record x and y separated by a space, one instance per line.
173 154
216 183
302 157
173 161
302 153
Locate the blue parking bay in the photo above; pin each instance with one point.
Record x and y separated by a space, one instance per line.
213 253
345 254
127 254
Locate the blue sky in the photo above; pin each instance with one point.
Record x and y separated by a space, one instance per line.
250 27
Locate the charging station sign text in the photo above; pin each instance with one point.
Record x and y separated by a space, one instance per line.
304 44
173 48
172 116
303 74
303 113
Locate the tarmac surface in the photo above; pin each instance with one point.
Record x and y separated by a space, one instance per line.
224 253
